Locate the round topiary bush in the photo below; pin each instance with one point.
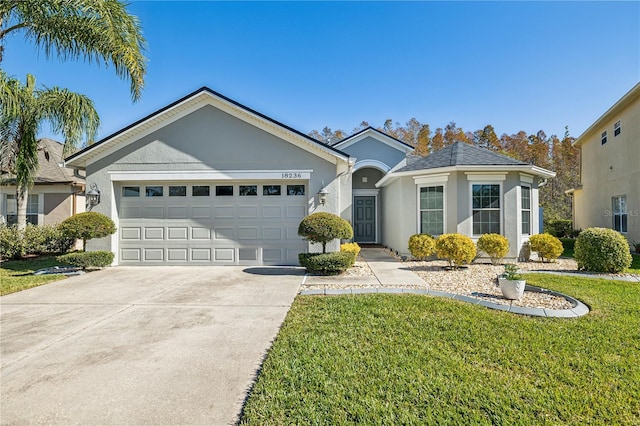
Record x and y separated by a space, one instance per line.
324 227
549 248
602 250
421 246
456 248
88 225
495 245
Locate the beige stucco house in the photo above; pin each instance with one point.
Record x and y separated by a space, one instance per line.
609 192
57 193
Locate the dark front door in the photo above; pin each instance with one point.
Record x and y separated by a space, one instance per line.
364 219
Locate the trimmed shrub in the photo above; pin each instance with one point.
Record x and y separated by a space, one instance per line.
87 259
422 246
88 225
11 242
547 246
324 227
327 263
351 248
559 228
46 239
456 248
495 245
602 250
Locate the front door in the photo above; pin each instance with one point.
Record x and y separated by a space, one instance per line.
364 219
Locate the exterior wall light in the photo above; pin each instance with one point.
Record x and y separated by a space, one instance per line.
322 196
93 196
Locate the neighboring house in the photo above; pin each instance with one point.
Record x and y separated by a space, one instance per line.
609 192
207 180
57 193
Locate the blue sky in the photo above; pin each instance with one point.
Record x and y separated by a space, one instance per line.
515 65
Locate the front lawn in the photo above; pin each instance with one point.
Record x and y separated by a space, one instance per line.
16 275
407 359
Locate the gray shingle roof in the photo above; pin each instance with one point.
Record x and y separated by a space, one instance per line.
459 154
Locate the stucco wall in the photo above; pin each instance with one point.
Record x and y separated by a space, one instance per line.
372 176
370 148
610 170
209 139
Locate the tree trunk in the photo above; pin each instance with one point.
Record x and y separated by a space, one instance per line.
22 195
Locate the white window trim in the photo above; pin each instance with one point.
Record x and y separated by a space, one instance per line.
613 214
520 209
489 182
443 184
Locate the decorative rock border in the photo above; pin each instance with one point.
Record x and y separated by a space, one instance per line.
577 309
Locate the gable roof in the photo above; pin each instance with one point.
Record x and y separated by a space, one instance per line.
459 154
377 134
629 97
187 104
51 170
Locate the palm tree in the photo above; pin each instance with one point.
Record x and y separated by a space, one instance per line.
101 31
69 113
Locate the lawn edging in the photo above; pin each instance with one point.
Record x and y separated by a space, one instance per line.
577 309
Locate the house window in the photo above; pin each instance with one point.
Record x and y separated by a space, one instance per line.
248 190
432 210
154 191
486 208
130 191
295 189
32 209
224 190
603 137
617 128
271 190
525 199
177 191
620 213
201 190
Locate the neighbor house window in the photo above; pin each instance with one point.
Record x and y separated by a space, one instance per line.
617 128
200 190
620 213
271 189
154 191
432 210
224 190
12 209
246 190
486 208
178 191
130 191
525 200
603 137
295 189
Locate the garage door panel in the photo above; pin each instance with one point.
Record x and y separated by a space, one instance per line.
132 233
248 212
247 254
153 233
130 255
201 254
225 254
200 233
177 233
248 233
224 212
272 255
154 254
177 254
130 212
201 212
296 212
153 212
177 212
272 233
225 233
272 212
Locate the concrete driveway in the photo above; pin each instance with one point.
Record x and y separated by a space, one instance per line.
140 345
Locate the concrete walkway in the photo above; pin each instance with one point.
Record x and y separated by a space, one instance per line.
386 270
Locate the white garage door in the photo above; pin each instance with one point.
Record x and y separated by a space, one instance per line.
211 222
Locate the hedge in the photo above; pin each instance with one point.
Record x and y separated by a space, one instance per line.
87 259
548 247
458 249
495 245
34 240
327 263
421 246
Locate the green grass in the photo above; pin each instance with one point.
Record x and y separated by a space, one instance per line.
16 275
403 359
